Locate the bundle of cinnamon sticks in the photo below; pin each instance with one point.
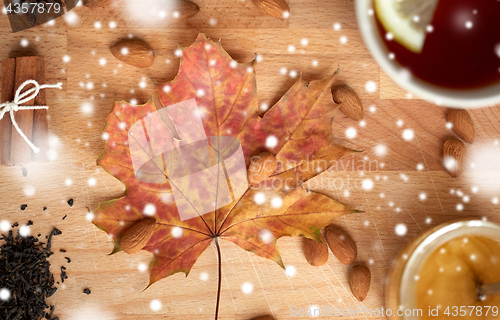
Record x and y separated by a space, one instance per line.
13 148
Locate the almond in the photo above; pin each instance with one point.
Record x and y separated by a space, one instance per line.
97 3
186 9
316 253
462 123
137 236
275 8
359 280
341 244
134 52
261 167
454 155
350 104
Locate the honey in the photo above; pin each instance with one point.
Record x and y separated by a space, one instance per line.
438 273
448 280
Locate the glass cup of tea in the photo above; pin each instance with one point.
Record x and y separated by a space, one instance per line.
444 51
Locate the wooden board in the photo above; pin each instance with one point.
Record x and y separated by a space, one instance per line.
93 79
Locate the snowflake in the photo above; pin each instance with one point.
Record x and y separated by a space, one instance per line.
176 232
371 86
351 133
271 141
277 202
401 229
380 150
92 182
149 209
247 288
89 216
367 184
290 271
4 226
71 17
155 305
24 231
408 134
204 276
266 236
4 294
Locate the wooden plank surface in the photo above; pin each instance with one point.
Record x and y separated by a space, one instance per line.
410 186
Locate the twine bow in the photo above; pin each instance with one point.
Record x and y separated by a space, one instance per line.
21 98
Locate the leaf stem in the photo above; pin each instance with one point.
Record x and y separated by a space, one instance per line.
220 278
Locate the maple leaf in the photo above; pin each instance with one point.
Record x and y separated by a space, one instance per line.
297 130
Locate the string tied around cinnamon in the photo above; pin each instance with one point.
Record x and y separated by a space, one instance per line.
20 98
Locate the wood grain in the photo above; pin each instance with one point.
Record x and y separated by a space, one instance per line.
78 113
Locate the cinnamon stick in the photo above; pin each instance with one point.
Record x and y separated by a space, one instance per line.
8 78
20 151
40 131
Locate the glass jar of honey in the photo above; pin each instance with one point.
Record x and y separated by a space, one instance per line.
438 274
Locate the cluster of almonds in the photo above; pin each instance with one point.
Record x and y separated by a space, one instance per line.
454 152
346 251
139 54
340 243
316 253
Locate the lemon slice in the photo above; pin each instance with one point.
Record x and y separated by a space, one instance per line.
407 20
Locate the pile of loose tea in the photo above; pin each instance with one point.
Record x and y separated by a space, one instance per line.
25 278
